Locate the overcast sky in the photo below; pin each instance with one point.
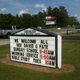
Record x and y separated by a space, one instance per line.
34 6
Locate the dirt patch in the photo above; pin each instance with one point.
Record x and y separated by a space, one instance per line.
66 68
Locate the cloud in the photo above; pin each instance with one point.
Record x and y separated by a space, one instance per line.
77 16
41 6
15 6
3 9
23 11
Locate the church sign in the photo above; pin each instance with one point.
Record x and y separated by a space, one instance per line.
36 46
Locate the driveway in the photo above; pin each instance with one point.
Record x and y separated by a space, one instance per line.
4 41
70 37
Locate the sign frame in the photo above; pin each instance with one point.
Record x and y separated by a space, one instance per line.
57 46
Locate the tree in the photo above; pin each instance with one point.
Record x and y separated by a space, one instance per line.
41 16
5 20
63 17
1 20
35 20
73 21
49 11
26 20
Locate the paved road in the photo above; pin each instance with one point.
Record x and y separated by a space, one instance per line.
70 37
67 30
4 41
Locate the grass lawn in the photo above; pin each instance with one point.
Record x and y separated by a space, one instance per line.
72 34
77 33
50 29
70 55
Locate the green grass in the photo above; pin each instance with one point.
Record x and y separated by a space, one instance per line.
70 55
77 33
4 50
50 29
74 34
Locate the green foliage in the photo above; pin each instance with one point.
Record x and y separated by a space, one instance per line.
73 20
27 20
4 50
70 55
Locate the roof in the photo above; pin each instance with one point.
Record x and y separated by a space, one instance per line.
35 31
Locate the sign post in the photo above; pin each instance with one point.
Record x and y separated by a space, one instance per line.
36 46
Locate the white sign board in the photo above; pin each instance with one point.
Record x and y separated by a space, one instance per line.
43 49
34 50
50 22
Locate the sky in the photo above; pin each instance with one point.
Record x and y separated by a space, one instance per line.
34 6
